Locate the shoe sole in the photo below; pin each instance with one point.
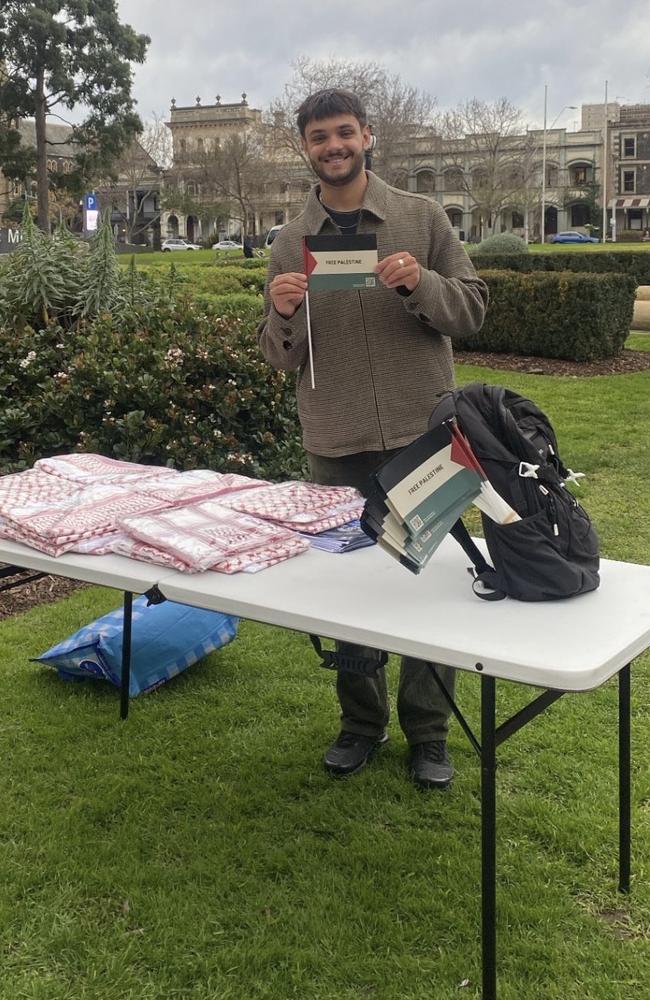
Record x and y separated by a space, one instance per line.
338 773
428 786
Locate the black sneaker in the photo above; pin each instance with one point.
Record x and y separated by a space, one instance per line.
429 765
350 752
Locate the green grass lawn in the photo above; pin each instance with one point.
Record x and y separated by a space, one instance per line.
183 257
200 851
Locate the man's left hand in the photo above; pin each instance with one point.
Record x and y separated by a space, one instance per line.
400 269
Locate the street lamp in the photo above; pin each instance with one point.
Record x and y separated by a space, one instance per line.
567 107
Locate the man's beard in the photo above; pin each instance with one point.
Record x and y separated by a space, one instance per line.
356 163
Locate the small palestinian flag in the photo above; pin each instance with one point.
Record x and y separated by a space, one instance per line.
430 483
340 262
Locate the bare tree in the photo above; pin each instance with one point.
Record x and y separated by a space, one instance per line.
134 188
483 146
234 174
396 111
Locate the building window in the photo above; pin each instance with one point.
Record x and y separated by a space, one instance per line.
279 218
426 182
199 144
629 181
580 215
634 218
629 146
579 176
454 179
517 220
182 145
551 176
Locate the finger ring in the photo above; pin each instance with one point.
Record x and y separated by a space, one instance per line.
401 262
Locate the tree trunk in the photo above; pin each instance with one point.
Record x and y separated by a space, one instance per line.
41 155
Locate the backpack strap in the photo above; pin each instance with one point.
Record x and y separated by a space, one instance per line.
484 582
334 660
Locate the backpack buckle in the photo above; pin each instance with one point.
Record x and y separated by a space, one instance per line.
527 470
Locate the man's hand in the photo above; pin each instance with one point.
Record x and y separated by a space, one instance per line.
287 292
399 269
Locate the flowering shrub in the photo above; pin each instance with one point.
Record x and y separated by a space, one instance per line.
163 379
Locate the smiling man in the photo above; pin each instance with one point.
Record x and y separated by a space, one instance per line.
382 357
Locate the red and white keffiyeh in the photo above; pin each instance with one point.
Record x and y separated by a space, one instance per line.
251 561
33 490
87 468
203 534
306 507
57 527
196 485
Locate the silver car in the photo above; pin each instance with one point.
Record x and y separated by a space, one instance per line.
176 243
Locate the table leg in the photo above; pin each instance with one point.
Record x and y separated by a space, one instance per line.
624 780
488 836
126 655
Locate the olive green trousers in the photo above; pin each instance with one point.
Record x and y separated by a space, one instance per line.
422 710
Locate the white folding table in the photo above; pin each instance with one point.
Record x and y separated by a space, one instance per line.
365 597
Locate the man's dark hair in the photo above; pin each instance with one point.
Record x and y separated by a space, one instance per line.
326 104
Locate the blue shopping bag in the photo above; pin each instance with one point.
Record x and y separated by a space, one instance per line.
166 639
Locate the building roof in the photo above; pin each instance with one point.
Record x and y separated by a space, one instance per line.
58 137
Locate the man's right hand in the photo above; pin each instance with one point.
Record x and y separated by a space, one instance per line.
287 292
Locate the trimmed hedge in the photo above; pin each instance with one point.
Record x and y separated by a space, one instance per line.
502 243
624 262
579 317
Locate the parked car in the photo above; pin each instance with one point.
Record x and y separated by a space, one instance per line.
227 245
272 233
176 243
573 237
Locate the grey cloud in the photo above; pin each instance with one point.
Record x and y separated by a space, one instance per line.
453 51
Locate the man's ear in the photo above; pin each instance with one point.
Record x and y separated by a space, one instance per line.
366 137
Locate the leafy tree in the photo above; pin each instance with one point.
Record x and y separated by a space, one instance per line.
396 111
64 53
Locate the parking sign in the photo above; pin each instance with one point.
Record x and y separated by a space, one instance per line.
91 212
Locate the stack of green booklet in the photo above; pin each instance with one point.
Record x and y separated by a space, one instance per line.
419 495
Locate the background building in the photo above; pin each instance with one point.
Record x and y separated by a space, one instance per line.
227 176
629 146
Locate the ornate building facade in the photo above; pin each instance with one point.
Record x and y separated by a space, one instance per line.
274 196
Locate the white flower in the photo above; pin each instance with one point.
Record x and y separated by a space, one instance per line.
26 361
173 357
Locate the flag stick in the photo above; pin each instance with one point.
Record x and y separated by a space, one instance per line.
309 345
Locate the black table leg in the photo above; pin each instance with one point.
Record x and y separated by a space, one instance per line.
126 655
488 836
624 780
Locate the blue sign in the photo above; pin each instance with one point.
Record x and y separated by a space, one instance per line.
90 202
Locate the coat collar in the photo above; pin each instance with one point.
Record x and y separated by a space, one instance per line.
374 202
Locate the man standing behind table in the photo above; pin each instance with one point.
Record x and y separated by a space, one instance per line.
382 357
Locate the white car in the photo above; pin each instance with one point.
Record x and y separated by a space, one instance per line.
176 243
270 236
227 245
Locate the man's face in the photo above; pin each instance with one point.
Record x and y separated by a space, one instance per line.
335 147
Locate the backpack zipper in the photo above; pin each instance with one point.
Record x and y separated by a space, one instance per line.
552 508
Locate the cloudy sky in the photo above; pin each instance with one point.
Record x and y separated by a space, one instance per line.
452 50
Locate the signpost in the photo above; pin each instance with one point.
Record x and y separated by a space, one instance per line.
91 213
9 239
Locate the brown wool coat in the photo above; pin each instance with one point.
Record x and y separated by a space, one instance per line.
380 358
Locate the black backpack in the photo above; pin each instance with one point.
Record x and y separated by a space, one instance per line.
552 552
